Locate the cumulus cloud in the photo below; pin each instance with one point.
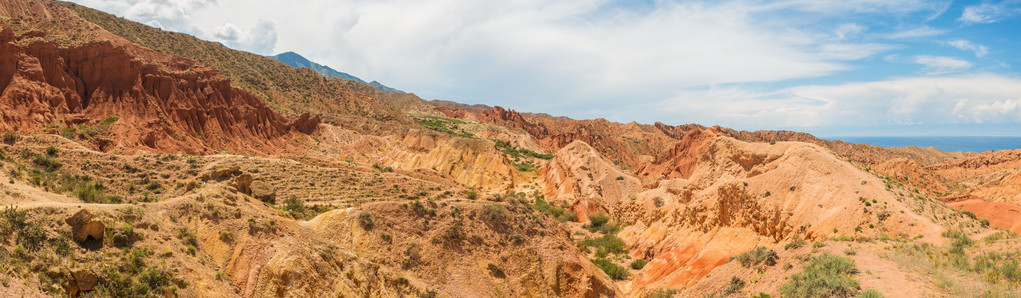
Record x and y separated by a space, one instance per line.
712 62
525 52
990 12
166 14
260 39
965 45
941 65
979 98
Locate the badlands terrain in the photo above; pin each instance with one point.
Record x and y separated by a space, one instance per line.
140 162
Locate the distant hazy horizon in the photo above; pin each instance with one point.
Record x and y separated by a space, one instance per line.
946 143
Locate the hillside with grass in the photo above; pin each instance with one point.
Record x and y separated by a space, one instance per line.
287 89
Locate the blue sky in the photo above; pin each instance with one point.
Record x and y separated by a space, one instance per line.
852 67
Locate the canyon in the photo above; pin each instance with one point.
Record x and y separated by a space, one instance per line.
207 171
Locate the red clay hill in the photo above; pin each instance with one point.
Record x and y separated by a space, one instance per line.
75 78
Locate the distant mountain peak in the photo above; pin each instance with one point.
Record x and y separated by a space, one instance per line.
296 60
379 86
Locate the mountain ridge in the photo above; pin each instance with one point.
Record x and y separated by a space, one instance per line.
296 60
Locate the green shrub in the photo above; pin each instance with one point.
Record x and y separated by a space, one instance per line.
496 216
547 208
472 195
32 237
47 162
754 257
124 236
495 271
10 137
14 219
297 209
598 220
226 236
52 151
132 278
294 205
825 276
735 285
970 214
795 244
984 222
365 220
870 293
662 293
613 270
638 264
608 244
959 241
567 216
187 237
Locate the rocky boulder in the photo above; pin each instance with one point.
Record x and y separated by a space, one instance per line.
222 173
263 191
79 281
84 225
243 183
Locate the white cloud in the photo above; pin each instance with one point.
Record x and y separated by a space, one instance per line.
864 6
690 61
260 39
924 31
579 51
965 45
166 14
978 98
990 12
1005 110
941 65
849 30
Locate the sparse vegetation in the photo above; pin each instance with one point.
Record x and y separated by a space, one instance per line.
444 125
613 270
495 271
125 236
365 220
601 222
52 151
496 216
552 210
638 264
10 137
736 284
758 256
519 153
606 245
825 275
134 278
662 293
47 162
187 237
297 209
798 242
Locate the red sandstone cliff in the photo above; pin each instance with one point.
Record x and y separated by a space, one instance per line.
163 103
